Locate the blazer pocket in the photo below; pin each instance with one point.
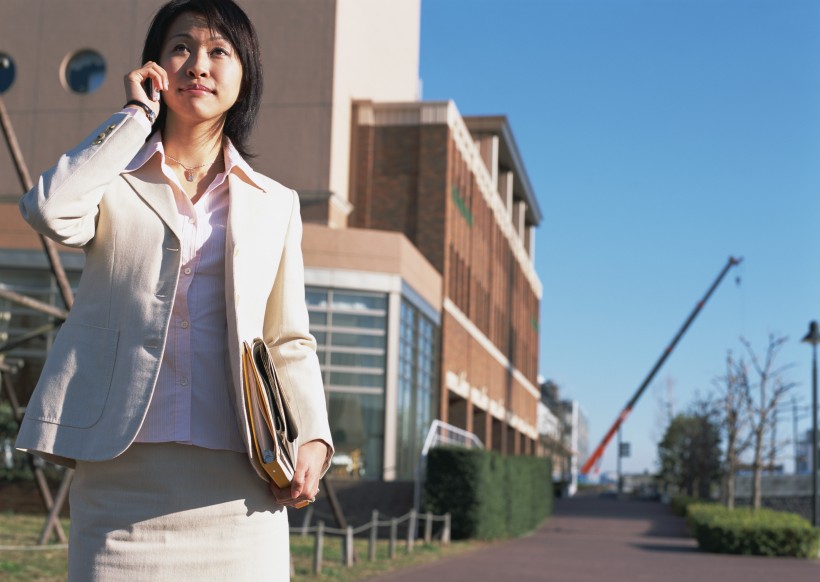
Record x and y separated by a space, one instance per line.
76 378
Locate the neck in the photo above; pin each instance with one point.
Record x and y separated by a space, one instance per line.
192 144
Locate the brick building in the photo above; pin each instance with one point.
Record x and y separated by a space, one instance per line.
456 188
419 223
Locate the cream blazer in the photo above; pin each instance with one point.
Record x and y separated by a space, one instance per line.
98 378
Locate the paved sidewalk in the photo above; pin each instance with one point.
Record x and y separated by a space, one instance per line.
592 539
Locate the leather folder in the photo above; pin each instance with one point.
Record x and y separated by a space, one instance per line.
273 427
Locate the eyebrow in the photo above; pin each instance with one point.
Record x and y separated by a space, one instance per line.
188 36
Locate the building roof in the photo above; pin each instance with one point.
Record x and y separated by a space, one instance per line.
510 157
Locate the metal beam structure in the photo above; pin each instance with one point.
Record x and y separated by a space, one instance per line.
50 249
599 450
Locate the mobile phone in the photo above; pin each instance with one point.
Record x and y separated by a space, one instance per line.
149 90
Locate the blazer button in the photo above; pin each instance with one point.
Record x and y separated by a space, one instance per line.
236 251
96 142
112 127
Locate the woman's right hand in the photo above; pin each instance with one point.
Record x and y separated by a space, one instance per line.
135 84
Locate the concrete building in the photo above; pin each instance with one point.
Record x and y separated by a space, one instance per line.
420 223
563 436
802 457
577 440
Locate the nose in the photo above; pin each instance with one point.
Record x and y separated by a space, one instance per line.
197 65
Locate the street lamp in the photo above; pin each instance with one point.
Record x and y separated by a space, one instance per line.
813 338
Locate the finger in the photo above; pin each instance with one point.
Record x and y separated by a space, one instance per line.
135 83
159 75
297 485
154 73
282 496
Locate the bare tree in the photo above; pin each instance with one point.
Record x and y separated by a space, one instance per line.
764 394
665 411
732 401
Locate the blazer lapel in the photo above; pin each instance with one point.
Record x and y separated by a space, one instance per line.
257 223
159 196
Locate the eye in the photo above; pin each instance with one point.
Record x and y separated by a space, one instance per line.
221 51
179 48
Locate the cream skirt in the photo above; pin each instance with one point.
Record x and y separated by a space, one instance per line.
177 513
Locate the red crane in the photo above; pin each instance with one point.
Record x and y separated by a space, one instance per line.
599 451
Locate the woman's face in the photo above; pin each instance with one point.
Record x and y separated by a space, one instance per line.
204 71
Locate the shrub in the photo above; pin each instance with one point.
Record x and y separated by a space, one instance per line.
487 495
743 531
680 503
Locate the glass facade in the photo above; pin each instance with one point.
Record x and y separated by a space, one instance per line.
417 382
351 332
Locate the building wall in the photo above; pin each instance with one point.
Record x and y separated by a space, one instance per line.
401 175
317 56
412 175
398 369
376 57
423 193
363 250
482 276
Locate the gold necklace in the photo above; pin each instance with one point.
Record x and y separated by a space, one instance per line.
189 172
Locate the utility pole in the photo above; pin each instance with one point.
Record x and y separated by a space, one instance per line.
794 430
620 454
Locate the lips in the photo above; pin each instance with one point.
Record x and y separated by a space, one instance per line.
197 89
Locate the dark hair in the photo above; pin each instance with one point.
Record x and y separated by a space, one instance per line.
225 17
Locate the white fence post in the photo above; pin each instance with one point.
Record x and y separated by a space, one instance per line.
411 531
348 559
374 535
317 554
394 526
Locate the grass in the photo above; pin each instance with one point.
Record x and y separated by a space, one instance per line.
50 565
333 569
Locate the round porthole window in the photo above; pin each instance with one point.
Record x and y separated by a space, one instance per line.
7 72
84 72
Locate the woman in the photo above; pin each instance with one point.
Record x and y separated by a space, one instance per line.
189 252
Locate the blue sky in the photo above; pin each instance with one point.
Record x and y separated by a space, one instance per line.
661 137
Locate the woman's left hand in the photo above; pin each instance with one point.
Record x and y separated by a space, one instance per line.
305 483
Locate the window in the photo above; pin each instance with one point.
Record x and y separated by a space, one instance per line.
84 72
7 72
417 386
351 331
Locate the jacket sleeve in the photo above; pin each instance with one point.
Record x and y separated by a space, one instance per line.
292 346
63 205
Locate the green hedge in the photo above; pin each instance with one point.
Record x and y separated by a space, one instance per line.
743 531
681 503
489 496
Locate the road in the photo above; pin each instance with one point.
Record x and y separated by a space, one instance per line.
593 539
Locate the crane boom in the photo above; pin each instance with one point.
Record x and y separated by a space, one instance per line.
599 451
